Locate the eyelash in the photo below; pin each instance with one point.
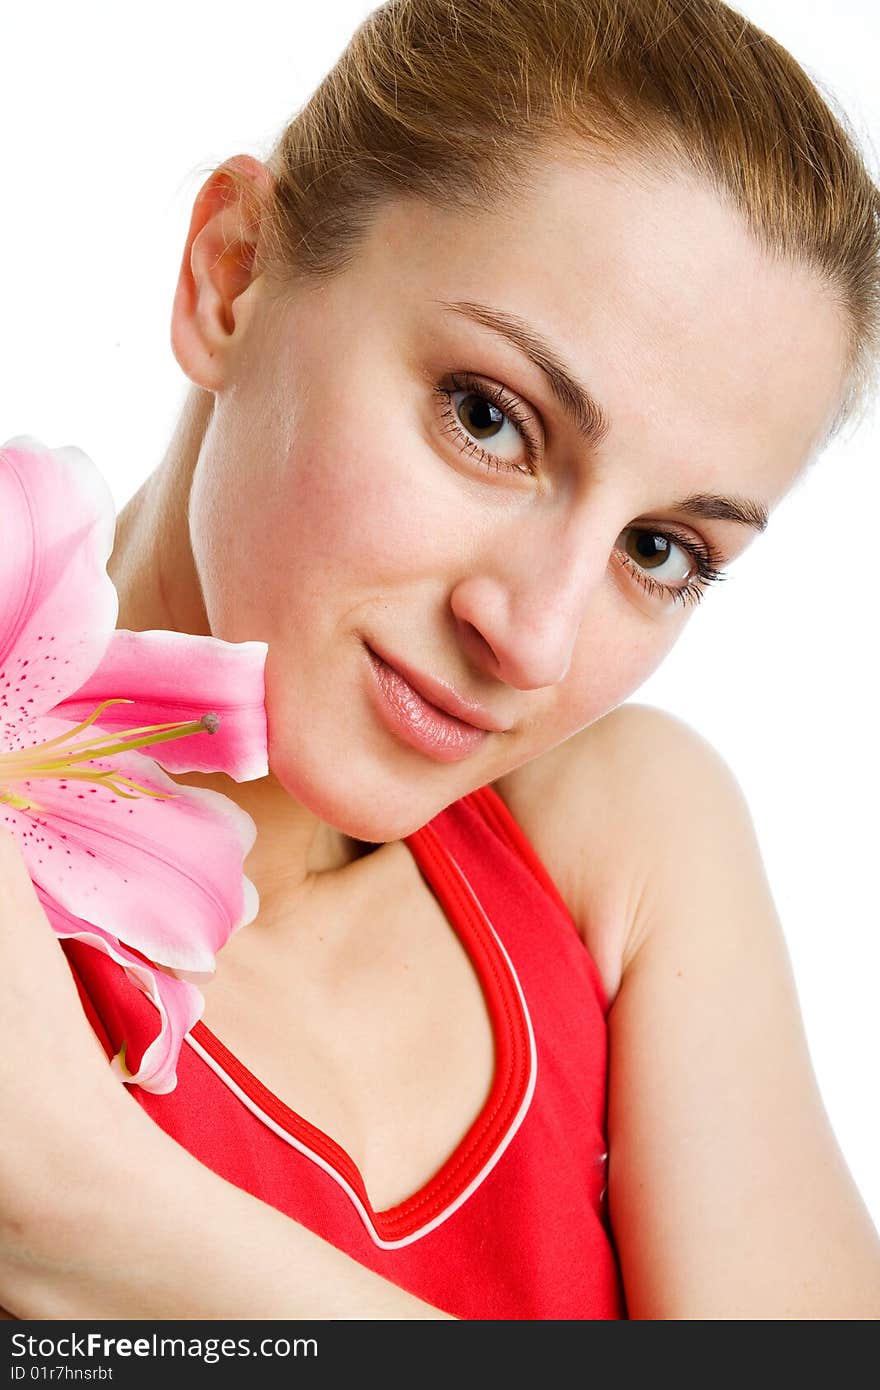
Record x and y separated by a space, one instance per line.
704 555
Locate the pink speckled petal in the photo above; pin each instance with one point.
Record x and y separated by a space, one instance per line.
163 876
174 676
179 1005
58 605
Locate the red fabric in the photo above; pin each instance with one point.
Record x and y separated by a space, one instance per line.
514 1225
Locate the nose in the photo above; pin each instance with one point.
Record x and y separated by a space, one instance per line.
519 617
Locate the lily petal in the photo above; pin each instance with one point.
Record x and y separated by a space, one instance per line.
178 1005
163 876
175 676
58 605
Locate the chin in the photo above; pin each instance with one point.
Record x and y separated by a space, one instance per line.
348 792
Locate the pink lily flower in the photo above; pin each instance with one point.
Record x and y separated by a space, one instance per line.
123 858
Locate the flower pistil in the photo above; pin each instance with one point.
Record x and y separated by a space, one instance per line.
54 757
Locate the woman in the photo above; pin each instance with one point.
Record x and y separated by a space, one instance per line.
616 303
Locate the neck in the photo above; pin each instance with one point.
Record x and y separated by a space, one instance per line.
151 565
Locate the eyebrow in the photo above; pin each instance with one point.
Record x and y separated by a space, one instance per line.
588 417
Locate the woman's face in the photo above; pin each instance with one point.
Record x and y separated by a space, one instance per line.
364 490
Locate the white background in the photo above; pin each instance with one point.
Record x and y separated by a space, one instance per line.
112 116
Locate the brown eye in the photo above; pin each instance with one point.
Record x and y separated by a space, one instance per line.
653 551
646 553
478 413
479 417
486 422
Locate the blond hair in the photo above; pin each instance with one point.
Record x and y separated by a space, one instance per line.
451 101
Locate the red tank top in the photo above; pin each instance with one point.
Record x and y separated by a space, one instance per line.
514 1225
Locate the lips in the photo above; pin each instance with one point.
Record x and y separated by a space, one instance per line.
413 718
442 696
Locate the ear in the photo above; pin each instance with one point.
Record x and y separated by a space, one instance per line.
217 267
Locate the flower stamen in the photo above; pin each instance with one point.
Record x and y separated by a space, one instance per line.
28 764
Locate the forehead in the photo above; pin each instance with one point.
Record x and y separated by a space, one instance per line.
698 344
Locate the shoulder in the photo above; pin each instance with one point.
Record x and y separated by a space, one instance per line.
609 805
717 1134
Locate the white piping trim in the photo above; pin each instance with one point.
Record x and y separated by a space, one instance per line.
337 1177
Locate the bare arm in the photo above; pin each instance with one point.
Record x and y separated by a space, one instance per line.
728 1194
101 1213
166 1238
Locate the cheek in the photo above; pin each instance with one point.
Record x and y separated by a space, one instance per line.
354 516
336 521
613 657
